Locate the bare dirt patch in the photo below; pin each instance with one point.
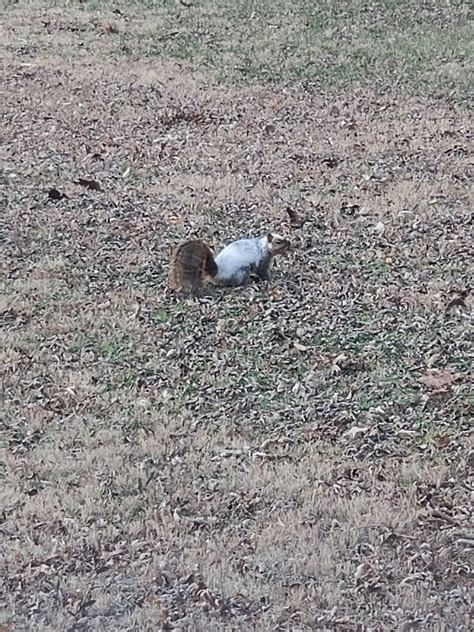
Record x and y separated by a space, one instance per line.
288 456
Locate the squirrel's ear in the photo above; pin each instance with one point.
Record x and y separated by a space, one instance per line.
269 237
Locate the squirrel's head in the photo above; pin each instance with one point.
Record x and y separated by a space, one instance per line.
277 244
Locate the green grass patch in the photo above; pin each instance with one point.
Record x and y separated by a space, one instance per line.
426 47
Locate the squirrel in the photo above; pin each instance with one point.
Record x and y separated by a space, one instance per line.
193 262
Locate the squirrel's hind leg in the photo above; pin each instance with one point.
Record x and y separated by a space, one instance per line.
260 276
240 277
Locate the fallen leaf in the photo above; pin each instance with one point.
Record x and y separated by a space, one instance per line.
359 571
437 379
89 184
300 347
378 229
335 367
431 360
293 216
456 302
169 35
277 295
330 161
54 194
356 430
349 209
444 440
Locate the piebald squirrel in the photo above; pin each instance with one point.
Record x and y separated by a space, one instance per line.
193 262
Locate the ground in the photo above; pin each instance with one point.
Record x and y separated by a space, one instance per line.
292 455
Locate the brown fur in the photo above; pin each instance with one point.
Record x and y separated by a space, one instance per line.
193 261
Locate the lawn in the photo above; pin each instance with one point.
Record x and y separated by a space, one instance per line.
291 455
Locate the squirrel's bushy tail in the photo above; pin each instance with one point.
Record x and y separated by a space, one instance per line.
192 262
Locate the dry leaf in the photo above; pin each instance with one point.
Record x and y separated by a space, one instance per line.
437 379
349 209
89 184
444 440
356 430
359 572
54 194
455 302
431 360
378 229
330 161
277 294
300 347
340 359
295 221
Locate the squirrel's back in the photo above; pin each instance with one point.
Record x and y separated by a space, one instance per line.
192 262
245 256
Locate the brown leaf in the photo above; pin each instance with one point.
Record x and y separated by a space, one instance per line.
337 362
437 379
111 28
455 302
356 430
300 347
444 440
54 194
277 294
168 36
330 161
349 209
90 184
295 220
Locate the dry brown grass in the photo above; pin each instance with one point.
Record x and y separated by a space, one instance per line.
264 458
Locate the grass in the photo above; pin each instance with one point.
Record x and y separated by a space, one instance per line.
425 47
263 458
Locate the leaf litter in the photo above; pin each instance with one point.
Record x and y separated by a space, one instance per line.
262 458
437 379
